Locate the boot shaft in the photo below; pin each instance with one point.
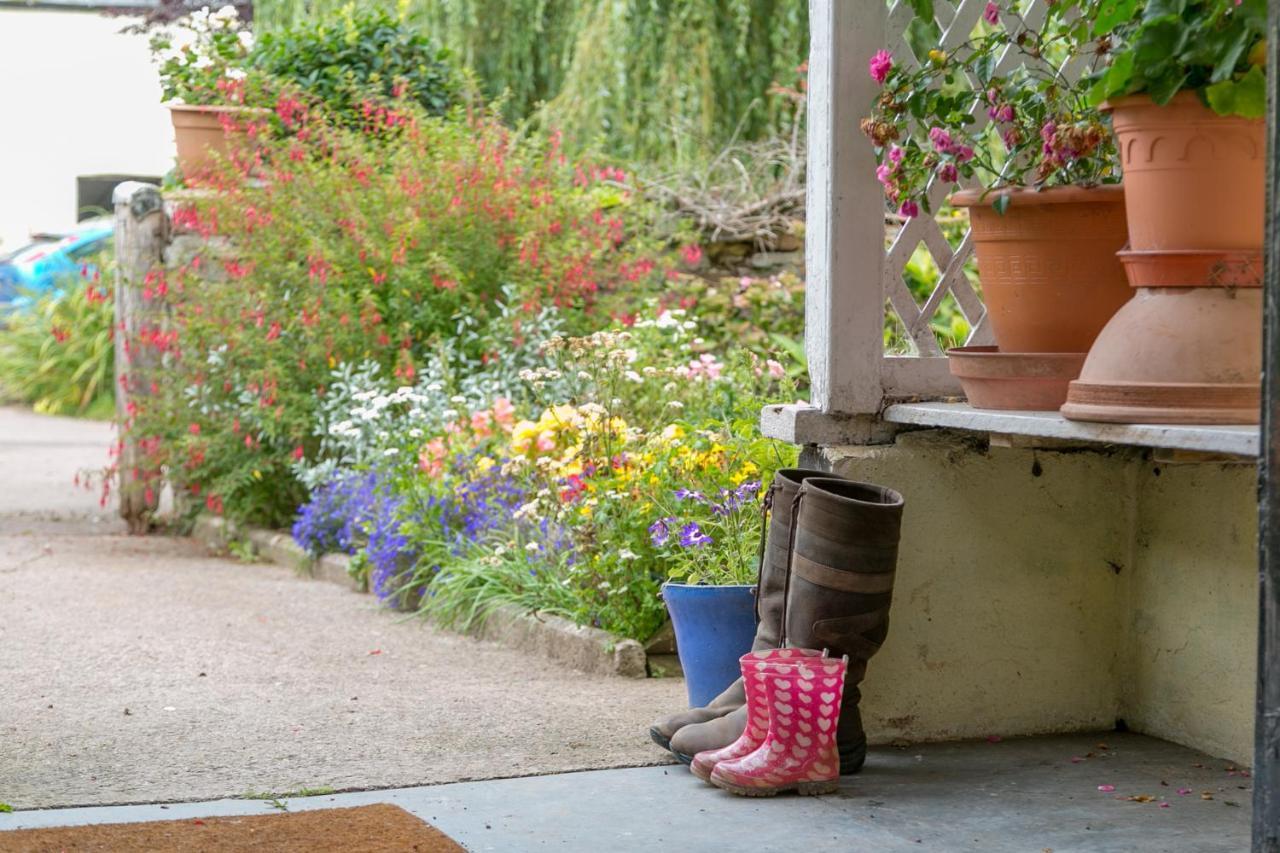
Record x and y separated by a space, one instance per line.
770 591
843 562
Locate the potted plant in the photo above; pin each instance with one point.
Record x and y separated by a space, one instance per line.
1040 171
710 542
204 84
1185 86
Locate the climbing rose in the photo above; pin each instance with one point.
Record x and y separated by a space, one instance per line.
948 173
991 14
941 140
880 65
909 209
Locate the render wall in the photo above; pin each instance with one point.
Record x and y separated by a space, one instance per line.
1064 590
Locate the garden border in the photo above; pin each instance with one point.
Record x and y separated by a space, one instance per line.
553 637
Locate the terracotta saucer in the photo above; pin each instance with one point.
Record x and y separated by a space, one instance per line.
1024 381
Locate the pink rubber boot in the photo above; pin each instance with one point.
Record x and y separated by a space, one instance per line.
755 666
799 749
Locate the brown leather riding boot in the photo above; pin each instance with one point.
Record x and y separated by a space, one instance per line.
723 719
843 560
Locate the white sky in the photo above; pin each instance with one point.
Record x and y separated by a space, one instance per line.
76 97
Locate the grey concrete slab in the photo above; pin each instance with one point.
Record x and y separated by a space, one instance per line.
1017 796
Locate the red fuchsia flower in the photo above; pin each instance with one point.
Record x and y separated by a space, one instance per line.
298 453
692 254
194 429
948 173
909 209
880 65
991 14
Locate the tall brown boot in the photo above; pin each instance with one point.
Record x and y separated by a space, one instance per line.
843 560
723 719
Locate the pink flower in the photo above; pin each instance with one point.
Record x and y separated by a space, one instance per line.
909 209
941 140
776 370
1004 113
692 254
546 442
1047 131
503 412
991 14
895 155
480 424
948 173
963 154
884 173
880 65
1106 789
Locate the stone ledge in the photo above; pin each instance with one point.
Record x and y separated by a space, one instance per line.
586 649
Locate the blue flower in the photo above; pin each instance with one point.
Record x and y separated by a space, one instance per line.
691 536
660 531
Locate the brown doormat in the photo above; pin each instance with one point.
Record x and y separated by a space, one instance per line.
364 829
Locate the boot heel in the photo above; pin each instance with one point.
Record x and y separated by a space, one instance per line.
851 761
815 789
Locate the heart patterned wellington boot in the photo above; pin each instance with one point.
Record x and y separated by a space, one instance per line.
802 699
719 723
843 560
753 666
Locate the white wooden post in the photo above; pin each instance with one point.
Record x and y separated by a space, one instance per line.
844 231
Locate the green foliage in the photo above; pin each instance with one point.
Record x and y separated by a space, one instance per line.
627 74
58 354
359 54
1162 47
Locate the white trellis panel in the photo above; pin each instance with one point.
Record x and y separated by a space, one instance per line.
852 275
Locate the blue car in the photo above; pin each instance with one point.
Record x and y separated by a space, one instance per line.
50 261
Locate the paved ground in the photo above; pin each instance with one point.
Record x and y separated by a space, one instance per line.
1020 796
138 669
242 678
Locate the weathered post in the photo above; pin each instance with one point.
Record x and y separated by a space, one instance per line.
141 234
1266 764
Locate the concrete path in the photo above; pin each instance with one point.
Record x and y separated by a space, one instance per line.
1017 796
136 669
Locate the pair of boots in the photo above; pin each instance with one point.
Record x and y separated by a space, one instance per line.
789 744
826 581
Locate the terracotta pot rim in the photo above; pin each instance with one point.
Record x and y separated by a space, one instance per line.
1188 268
1100 194
990 353
1142 99
214 108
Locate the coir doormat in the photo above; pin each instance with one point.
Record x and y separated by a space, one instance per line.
364 829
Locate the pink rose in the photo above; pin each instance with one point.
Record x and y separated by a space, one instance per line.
948 173
941 140
880 65
991 14
895 155
884 173
909 209
963 153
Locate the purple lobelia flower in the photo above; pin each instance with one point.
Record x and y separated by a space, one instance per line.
660 531
692 536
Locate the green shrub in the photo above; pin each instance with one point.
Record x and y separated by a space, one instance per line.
359 54
58 355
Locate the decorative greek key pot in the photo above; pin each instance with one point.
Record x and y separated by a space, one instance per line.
1188 347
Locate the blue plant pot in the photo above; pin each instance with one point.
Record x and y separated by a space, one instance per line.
714 627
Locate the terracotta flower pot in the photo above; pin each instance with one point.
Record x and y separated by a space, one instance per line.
202 136
1188 348
1193 179
1012 380
1050 277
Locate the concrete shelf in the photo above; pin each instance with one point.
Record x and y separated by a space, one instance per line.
1230 440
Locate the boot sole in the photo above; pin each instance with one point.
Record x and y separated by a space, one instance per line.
658 738
804 789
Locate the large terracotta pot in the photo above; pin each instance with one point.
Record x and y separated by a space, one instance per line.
1050 276
1188 347
203 133
1193 179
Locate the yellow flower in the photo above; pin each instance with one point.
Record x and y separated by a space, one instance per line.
585 511
937 57
484 463
672 433
747 469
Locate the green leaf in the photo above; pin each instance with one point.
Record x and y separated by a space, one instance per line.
1158 44
1001 204
1161 8
1244 97
923 9
922 36
1166 86
1112 13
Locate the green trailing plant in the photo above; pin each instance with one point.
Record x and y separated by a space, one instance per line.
358 55
1216 48
623 73
57 354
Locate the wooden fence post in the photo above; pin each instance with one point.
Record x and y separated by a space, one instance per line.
141 235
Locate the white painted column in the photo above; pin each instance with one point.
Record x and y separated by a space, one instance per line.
844 233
